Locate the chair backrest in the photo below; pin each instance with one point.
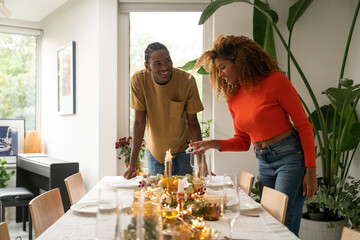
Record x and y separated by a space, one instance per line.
350 234
46 209
4 231
275 203
246 182
75 187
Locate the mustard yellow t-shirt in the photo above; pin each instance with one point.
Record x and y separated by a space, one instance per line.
166 107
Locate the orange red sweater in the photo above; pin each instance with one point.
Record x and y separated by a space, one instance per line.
264 112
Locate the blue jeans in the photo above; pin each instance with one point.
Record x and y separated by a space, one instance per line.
281 167
180 164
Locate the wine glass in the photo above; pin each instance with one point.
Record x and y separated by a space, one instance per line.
106 217
230 201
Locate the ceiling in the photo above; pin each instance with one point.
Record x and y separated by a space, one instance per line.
31 10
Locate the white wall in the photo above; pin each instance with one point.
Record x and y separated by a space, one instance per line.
87 137
352 71
319 39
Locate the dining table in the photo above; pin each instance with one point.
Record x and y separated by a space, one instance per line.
79 222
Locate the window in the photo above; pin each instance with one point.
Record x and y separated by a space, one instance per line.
178 31
18 76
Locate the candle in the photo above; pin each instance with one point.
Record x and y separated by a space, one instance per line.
168 157
168 161
181 185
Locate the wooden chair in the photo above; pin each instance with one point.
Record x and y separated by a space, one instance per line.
46 209
4 231
350 234
75 187
275 203
246 182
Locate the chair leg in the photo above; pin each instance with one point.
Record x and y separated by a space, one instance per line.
30 225
2 212
23 218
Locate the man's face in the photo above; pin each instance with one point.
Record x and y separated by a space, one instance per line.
161 66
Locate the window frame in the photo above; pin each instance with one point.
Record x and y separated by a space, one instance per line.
37 33
123 100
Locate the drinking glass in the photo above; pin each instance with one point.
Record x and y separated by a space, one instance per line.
198 163
193 163
230 200
106 217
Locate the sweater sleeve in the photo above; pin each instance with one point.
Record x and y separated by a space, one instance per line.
290 101
240 142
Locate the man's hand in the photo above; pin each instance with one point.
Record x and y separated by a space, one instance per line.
130 172
310 183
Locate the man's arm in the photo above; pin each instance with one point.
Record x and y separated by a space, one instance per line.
138 136
194 128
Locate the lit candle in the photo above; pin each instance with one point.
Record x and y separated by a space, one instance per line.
181 185
168 161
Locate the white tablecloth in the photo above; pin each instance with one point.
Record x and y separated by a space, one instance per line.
75 225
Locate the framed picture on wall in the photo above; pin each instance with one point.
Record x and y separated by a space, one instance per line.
12 134
66 79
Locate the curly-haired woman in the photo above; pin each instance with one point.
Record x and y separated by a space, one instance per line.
266 111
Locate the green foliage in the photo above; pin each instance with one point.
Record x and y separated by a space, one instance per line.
338 200
205 133
18 77
191 64
4 175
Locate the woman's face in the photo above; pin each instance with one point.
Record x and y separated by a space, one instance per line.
226 70
160 64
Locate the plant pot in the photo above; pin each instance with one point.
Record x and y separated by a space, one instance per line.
316 216
319 230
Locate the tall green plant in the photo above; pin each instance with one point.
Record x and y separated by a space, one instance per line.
330 145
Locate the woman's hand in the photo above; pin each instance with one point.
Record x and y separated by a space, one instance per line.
310 183
200 147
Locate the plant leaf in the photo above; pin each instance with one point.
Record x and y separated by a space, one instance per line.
346 82
212 7
269 44
355 129
296 11
328 113
189 65
259 25
342 97
202 71
262 29
350 140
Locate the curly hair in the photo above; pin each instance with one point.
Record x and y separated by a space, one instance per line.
251 63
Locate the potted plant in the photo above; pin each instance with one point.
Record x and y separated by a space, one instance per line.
336 128
125 144
4 175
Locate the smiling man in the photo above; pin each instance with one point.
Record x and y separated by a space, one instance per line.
166 101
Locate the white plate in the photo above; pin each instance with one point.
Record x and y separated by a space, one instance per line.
85 207
248 205
123 184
